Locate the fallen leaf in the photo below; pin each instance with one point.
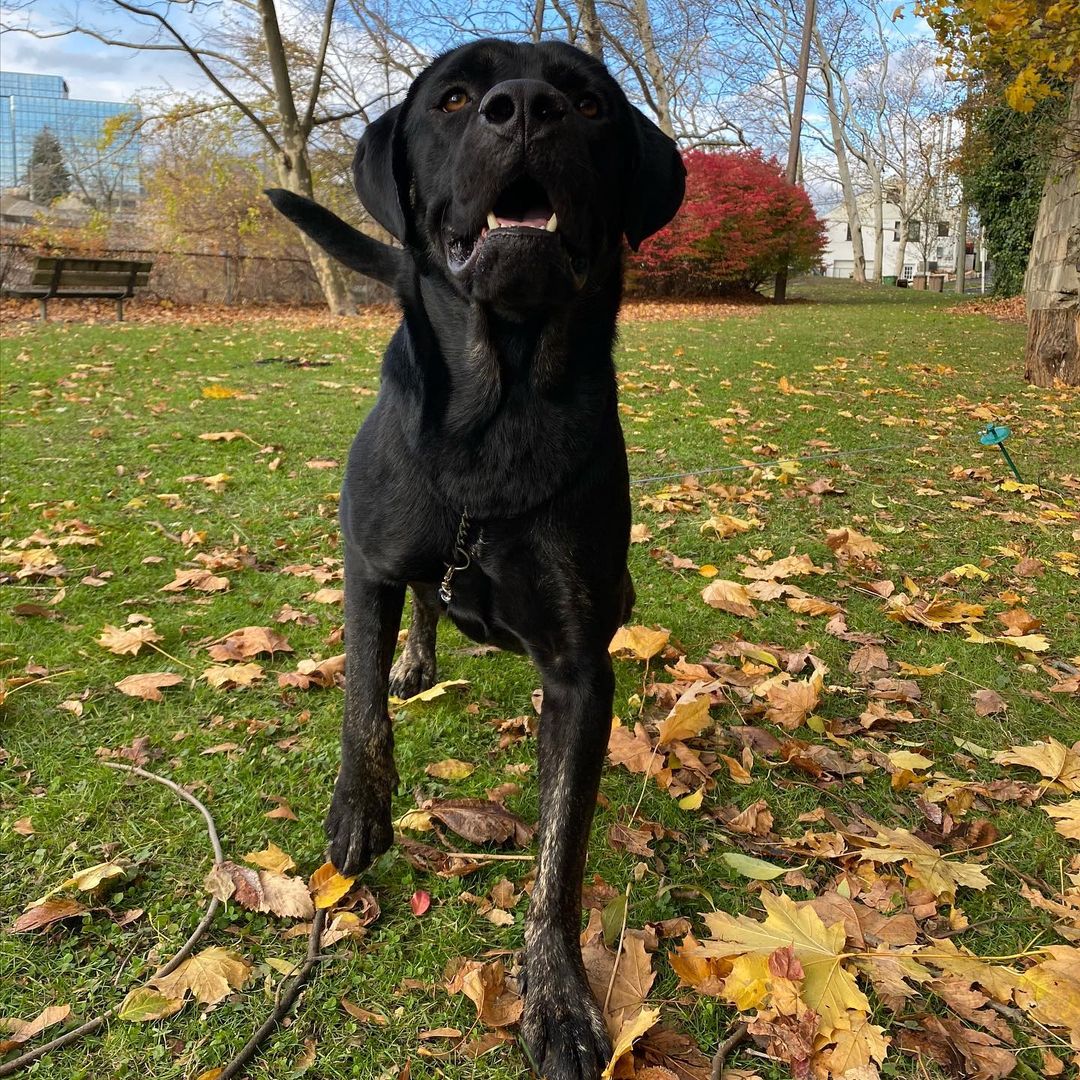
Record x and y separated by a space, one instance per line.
638 642
450 769
632 1029
1060 764
148 685
729 596
247 642
327 886
1066 818
209 976
146 1003
420 902
128 642
271 858
750 867
988 703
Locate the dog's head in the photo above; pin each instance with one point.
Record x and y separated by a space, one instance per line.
515 170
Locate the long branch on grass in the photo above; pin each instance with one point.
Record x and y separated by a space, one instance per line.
8 1068
724 1049
284 1005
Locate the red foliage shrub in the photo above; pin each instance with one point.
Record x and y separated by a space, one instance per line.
740 223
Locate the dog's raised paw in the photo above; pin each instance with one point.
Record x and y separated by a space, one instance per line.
565 1033
358 828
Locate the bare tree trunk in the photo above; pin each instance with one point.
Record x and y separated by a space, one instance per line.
294 166
536 31
901 251
843 172
961 243
654 65
879 225
1052 283
591 28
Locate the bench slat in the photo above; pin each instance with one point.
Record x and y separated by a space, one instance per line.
48 262
76 278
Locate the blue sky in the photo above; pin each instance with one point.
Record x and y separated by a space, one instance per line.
92 69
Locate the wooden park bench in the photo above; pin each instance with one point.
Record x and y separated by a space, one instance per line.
64 278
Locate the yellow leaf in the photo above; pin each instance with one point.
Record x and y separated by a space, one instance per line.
747 986
450 769
689 717
328 886
415 821
1027 642
632 1030
924 863
208 975
435 691
1054 989
146 1003
970 570
271 858
694 800
1060 764
905 759
729 596
638 642
1066 818
829 988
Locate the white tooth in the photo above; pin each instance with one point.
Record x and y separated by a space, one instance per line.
552 223
493 221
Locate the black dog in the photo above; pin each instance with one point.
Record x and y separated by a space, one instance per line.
491 474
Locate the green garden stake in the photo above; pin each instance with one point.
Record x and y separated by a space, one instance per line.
995 435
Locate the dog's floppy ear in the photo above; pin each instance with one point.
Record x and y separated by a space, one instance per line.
657 184
377 173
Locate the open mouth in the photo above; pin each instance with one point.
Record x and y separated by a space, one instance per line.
523 205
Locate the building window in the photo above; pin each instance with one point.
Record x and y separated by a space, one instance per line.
943 228
847 234
896 232
909 271
913 231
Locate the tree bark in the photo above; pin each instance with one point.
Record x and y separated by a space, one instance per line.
294 165
1052 283
655 67
961 244
591 29
844 173
901 251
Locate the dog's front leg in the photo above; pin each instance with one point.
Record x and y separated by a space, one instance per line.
358 826
562 1024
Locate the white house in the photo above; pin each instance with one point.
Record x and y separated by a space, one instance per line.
931 246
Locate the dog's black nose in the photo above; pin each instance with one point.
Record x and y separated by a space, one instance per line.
526 104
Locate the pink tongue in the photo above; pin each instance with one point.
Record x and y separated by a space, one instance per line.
536 219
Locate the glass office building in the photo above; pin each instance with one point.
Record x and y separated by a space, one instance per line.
104 170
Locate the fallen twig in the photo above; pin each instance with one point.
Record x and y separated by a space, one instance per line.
9 1068
281 1010
618 949
724 1049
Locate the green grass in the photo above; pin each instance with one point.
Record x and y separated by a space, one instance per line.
102 422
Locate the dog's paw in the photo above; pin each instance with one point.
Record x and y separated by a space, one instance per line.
564 1029
411 675
358 827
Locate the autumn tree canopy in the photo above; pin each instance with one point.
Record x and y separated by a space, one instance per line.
740 223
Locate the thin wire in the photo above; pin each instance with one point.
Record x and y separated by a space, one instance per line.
773 462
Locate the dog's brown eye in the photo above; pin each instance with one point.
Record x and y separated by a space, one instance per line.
454 100
589 107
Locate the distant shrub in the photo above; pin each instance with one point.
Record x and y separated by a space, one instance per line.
740 223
